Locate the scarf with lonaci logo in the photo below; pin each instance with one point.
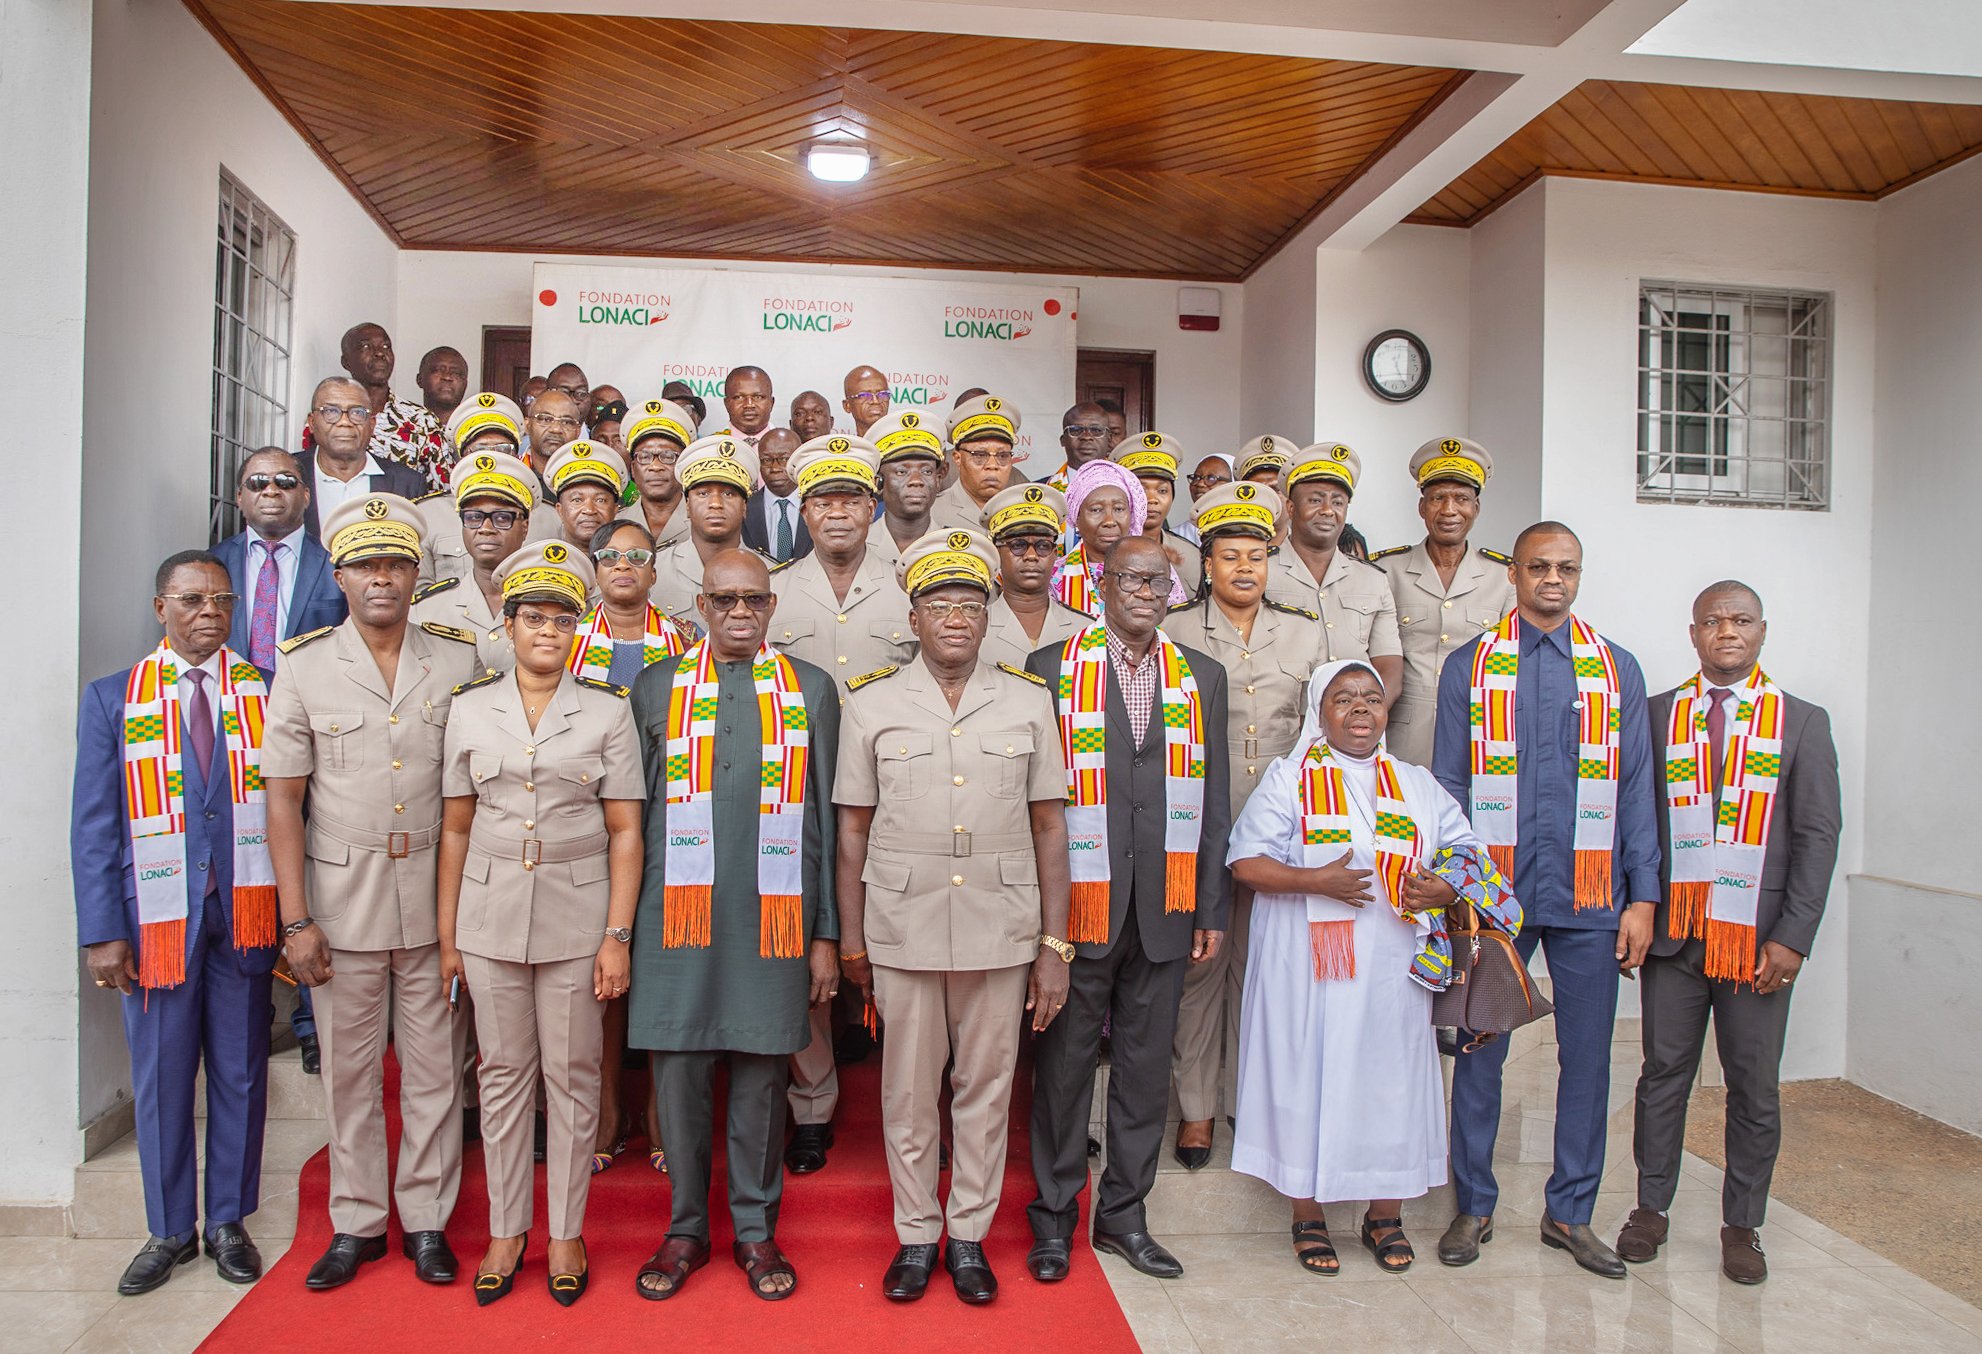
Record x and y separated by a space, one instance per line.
1084 745
693 704
1599 722
591 656
1718 847
154 803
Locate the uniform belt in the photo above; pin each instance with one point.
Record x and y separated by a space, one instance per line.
397 845
539 850
952 844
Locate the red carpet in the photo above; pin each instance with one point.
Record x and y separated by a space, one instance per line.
837 1228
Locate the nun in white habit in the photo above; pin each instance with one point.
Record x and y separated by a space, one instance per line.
1353 858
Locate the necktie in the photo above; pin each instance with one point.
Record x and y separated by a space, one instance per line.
1717 729
199 723
784 530
268 592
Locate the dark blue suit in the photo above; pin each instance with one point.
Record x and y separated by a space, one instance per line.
220 1013
315 602
1581 946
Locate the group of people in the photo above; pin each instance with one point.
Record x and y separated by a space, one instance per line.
564 728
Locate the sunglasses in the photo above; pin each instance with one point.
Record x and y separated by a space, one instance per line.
634 557
722 603
281 479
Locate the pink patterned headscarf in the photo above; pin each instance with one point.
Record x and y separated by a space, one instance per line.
1106 474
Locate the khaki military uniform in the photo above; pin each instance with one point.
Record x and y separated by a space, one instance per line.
1266 676
1005 639
444 554
954 508
535 889
868 630
952 918
678 578
1358 614
372 756
675 530
1432 621
881 541
1189 562
459 603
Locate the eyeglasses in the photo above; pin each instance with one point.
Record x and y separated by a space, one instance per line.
577 393
555 421
196 601
502 519
281 479
722 603
1207 481
942 609
1084 431
634 557
561 621
1133 583
656 457
1026 547
340 413
1540 569
869 397
990 458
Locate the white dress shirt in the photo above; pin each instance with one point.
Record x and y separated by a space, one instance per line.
212 670
332 491
771 502
288 555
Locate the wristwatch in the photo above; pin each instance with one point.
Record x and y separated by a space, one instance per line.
623 934
296 928
1060 947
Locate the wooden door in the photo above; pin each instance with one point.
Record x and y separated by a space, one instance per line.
505 359
1127 378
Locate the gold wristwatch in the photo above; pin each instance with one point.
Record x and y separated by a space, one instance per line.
1060 947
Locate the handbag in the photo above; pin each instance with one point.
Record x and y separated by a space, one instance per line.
1491 992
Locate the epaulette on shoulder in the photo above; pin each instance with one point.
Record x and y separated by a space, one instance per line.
1032 677
1496 556
295 642
1182 606
613 687
434 493
439 631
483 680
1368 564
778 567
435 588
1291 610
855 683
1386 554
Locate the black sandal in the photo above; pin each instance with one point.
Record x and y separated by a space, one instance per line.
1385 1252
1311 1257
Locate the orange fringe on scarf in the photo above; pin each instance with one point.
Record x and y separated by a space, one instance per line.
1686 908
162 953
254 916
1333 944
1592 880
1180 881
1087 920
685 916
780 926
1730 952
1503 856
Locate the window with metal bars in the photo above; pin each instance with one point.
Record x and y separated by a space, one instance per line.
254 281
1734 396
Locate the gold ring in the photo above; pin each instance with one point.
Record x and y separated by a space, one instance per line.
102 982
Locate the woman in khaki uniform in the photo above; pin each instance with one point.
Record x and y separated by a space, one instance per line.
540 861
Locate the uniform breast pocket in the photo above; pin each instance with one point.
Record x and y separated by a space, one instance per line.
580 776
903 764
1007 760
893 637
1479 618
792 631
1359 616
338 745
485 769
433 729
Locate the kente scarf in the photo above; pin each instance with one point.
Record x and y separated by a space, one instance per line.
1327 831
591 656
1075 583
154 803
693 704
1717 849
1084 746
1599 721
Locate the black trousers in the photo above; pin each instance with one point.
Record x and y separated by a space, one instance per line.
756 1138
1748 1030
1141 997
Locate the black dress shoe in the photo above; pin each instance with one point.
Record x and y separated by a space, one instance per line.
908 1277
1583 1246
234 1254
970 1271
491 1287
312 1055
806 1152
540 1138
1190 1158
339 1264
1050 1258
153 1265
1142 1251
433 1260
853 1046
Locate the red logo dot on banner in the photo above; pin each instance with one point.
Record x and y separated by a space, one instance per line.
547 297
1052 307
1073 314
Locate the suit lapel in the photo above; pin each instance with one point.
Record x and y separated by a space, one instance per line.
311 563
558 713
357 659
507 703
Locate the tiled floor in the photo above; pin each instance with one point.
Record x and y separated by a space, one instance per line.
1242 1290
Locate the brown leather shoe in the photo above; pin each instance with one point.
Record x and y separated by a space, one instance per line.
1741 1257
1462 1240
1644 1232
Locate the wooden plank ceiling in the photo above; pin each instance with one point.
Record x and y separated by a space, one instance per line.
1718 138
546 132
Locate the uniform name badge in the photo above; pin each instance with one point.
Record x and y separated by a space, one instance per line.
691 842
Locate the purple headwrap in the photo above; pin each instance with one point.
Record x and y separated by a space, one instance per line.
1106 474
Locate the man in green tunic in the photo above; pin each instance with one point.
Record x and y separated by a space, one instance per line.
731 945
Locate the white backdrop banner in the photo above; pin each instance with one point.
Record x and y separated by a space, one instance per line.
638 328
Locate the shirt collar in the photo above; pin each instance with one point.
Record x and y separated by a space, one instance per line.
1533 637
371 467
1121 654
294 540
211 667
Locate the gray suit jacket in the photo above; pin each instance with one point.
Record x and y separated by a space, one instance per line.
1137 808
1803 836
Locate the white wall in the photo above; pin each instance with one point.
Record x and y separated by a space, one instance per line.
1505 319
1914 1001
1276 376
1646 562
446 298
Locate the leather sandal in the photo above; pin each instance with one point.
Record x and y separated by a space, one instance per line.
1388 1252
1319 1257
678 1257
1644 1232
603 1160
761 1260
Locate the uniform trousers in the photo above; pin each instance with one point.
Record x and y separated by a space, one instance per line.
1582 969
815 1078
755 1147
427 1037
1205 1057
1140 996
935 1016
220 1016
531 1019
1748 1031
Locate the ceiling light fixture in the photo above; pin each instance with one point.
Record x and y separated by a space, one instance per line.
837 161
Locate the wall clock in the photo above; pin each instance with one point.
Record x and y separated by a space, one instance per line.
1397 365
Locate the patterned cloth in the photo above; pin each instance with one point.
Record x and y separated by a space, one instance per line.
409 433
